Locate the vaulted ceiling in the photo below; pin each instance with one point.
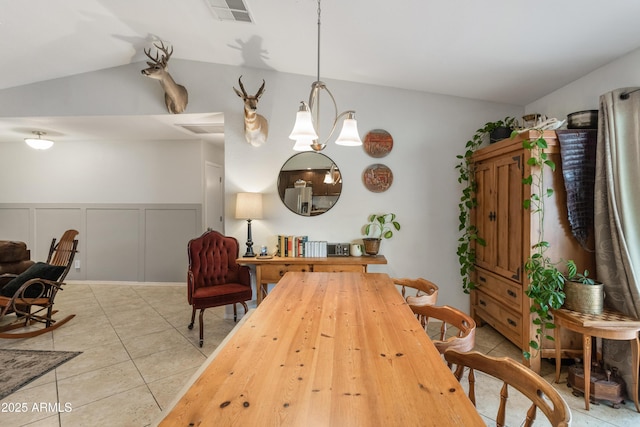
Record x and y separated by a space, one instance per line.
498 50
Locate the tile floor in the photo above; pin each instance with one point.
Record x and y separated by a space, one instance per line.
138 354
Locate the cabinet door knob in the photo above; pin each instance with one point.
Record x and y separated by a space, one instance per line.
482 303
511 293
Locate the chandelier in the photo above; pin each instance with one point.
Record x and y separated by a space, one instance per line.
305 129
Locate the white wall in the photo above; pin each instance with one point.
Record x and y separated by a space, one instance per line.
584 93
428 130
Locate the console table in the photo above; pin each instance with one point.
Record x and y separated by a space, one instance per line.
611 325
271 270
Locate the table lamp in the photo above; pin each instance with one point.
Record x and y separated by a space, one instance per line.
249 206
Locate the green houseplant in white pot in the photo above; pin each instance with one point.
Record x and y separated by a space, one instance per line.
378 227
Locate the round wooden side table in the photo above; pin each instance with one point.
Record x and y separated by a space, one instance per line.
610 325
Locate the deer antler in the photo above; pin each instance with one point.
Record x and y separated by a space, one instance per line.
165 57
244 92
259 93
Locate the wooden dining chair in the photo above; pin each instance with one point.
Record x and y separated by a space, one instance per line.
418 291
452 328
31 294
541 394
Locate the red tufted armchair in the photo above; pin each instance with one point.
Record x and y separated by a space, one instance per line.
214 278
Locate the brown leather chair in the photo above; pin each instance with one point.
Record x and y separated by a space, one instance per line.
214 278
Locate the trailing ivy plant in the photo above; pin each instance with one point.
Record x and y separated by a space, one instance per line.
466 176
546 282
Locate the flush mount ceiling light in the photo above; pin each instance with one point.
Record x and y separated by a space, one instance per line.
305 130
39 143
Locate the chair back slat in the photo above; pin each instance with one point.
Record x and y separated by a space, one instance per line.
513 374
61 253
463 340
426 292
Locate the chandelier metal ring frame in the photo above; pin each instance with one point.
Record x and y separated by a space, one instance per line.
305 131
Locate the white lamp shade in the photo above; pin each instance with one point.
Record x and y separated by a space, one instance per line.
39 144
303 128
349 134
303 145
249 206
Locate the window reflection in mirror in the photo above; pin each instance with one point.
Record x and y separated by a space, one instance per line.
309 183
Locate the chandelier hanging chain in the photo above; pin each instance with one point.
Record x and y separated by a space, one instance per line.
318 40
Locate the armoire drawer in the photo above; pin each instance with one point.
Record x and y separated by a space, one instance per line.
273 273
498 316
501 289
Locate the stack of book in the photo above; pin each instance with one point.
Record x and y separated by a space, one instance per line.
300 246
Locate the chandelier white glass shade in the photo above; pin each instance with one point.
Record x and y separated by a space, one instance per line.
39 143
305 129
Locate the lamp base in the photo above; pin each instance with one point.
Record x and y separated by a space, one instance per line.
249 253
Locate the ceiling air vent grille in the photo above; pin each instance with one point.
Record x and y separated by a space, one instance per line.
202 129
230 10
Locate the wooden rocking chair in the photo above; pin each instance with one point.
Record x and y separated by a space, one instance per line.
38 292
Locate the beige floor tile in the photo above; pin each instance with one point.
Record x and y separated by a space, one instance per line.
48 378
41 342
94 358
99 335
166 389
91 386
28 402
51 421
140 328
83 324
155 342
167 362
134 407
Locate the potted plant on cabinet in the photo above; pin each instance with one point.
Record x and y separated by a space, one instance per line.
380 226
501 129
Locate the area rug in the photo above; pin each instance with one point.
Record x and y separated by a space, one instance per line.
20 367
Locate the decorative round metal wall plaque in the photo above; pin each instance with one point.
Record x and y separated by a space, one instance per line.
377 178
378 143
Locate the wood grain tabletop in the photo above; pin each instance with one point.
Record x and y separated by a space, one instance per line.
327 349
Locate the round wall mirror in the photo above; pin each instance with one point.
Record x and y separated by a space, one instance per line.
309 183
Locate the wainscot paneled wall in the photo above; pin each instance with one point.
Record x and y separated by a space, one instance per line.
117 242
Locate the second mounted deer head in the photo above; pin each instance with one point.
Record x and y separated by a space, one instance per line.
256 126
175 95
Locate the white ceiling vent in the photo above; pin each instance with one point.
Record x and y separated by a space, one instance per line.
202 129
230 10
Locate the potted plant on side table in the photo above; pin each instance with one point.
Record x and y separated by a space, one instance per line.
582 293
380 226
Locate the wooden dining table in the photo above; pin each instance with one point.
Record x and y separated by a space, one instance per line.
326 349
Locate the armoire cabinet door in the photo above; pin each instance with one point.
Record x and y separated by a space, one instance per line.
499 213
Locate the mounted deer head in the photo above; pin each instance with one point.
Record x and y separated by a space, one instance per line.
175 95
256 126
